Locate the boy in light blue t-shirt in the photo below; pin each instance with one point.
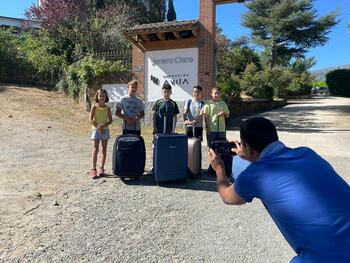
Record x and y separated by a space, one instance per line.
193 118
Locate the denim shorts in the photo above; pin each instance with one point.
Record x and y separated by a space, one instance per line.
97 135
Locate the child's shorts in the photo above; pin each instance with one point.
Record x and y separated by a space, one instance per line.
97 135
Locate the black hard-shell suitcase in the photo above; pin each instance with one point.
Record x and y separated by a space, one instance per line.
129 156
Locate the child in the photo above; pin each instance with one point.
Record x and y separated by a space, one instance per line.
100 117
131 109
192 114
215 112
164 107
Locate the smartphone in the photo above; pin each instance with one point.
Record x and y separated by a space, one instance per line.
223 147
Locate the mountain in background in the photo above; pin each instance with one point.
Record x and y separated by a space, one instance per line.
320 75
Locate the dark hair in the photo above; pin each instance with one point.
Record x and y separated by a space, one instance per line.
98 92
197 87
166 86
258 132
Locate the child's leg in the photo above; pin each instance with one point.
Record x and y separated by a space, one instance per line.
95 152
104 153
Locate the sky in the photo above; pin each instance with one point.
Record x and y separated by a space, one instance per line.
334 53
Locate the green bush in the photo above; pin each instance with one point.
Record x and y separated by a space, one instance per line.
319 84
78 75
257 85
300 85
230 88
267 84
338 82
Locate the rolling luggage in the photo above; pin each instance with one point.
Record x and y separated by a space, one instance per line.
170 156
194 161
129 156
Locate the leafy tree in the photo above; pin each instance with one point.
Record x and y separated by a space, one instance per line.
287 27
171 14
232 58
301 65
41 52
146 11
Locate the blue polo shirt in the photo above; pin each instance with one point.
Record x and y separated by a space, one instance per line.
306 198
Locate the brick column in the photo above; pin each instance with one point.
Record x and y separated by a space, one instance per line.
138 69
206 67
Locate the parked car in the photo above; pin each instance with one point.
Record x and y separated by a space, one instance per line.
320 90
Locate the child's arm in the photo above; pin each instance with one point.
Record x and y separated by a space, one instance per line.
123 116
141 115
225 111
154 117
186 110
175 121
110 119
91 116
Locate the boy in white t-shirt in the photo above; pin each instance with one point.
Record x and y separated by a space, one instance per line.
192 114
131 109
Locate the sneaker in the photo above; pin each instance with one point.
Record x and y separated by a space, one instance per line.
101 172
93 174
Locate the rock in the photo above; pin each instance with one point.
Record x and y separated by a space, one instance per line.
56 204
39 195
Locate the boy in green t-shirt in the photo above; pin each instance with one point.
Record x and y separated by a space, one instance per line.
164 107
215 111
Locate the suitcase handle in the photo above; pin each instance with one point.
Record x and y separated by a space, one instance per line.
164 125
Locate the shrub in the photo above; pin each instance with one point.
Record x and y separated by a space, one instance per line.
230 88
257 85
78 75
338 82
300 85
267 84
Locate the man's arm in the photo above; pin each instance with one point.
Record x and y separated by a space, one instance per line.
225 188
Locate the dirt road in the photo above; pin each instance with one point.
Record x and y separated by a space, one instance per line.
51 211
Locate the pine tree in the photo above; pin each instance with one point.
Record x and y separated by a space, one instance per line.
287 27
171 14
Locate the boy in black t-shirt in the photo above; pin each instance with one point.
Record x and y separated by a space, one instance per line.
164 107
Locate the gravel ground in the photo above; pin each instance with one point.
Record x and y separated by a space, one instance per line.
51 211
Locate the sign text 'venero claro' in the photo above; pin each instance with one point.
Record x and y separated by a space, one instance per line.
176 60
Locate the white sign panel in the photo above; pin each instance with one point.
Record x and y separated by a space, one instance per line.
178 67
115 91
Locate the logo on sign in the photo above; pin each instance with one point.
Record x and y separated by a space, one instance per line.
155 80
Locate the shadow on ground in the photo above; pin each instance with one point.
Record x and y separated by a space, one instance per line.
204 182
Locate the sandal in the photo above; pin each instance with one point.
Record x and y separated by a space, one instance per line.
93 174
101 172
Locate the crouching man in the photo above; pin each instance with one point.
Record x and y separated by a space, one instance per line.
308 201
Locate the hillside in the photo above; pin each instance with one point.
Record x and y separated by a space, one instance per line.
321 74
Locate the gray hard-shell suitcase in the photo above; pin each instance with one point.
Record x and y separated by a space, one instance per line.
194 162
170 157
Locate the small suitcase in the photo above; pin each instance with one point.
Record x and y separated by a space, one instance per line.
194 162
129 156
170 157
